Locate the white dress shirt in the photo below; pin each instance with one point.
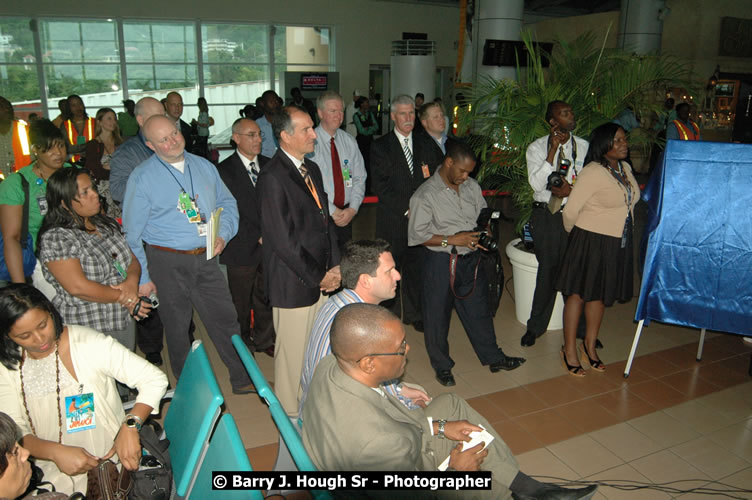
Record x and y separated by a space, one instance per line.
538 169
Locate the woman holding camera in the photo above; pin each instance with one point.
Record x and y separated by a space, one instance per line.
596 269
57 382
87 260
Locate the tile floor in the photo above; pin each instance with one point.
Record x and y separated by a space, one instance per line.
673 420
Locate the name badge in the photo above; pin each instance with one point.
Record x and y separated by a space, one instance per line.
79 413
42 203
426 172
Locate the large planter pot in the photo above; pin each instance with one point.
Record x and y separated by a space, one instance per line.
524 271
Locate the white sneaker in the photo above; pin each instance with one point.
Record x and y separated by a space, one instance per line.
748 340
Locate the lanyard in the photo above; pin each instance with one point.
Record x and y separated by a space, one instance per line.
621 178
187 168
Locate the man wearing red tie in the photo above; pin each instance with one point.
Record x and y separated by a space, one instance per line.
342 168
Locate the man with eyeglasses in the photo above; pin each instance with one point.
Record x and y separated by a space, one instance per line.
242 255
369 275
351 423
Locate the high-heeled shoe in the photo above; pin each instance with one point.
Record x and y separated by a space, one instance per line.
595 364
574 370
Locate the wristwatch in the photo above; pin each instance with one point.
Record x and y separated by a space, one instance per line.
440 432
445 242
133 421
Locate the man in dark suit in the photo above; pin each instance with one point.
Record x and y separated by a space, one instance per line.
242 256
174 108
301 256
400 162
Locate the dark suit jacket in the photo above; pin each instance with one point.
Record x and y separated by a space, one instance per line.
392 183
300 244
187 132
244 248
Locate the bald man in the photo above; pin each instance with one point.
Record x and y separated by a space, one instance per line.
168 200
174 107
133 151
351 423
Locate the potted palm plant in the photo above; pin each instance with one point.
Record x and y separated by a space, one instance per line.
505 116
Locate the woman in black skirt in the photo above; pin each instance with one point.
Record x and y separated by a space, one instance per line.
597 267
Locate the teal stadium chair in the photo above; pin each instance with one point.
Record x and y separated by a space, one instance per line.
226 452
191 417
290 437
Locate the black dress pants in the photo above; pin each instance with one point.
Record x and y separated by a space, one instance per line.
472 309
247 290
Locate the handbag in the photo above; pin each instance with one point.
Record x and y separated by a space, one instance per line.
105 482
153 480
27 241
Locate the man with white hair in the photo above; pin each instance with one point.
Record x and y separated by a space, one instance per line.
342 168
400 162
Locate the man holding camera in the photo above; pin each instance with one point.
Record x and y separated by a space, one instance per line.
442 211
553 162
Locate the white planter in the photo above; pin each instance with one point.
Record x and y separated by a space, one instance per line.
524 271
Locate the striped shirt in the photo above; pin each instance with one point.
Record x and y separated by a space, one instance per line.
318 346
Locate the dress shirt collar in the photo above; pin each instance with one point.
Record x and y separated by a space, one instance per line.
401 138
325 136
294 160
246 161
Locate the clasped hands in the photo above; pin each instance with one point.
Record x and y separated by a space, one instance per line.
331 280
129 297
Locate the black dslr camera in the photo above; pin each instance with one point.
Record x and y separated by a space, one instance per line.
556 179
488 225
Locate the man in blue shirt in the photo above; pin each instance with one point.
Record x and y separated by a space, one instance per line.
168 201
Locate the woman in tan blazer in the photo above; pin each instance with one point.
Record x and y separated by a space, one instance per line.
597 266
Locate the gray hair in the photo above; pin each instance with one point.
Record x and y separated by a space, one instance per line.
329 95
403 99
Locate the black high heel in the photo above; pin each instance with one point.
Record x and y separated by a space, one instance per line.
595 364
574 370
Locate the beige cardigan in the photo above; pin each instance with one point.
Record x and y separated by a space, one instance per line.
597 202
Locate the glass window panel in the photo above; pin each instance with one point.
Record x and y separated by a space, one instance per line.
85 41
159 42
215 74
162 77
235 42
85 80
302 45
19 83
16 40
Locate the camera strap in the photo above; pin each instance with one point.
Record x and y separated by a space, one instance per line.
453 273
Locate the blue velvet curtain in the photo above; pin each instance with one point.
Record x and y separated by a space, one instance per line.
697 244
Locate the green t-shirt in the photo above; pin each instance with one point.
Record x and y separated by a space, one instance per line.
11 193
128 124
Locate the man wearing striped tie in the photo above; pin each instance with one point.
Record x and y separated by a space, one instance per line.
242 256
301 256
401 160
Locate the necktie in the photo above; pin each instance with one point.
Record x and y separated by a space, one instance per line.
309 183
253 172
339 183
408 156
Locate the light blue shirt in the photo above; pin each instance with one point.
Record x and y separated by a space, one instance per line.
150 212
319 346
350 159
268 144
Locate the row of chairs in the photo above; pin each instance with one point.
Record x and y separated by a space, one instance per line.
201 441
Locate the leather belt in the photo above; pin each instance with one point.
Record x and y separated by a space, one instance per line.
195 251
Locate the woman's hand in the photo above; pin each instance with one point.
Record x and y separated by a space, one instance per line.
129 298
128 448
72 460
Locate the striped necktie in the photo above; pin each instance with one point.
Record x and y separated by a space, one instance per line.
253 172
408 155
309 183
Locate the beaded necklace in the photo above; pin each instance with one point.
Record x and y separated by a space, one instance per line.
57 383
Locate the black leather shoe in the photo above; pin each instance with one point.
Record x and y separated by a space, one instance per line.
550 492
509 363
269 351
244 389
598 344
154 358
528 339
445 378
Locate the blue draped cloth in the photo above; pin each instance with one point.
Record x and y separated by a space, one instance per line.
697 244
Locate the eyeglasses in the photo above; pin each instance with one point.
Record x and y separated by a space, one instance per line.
401 352
253 135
